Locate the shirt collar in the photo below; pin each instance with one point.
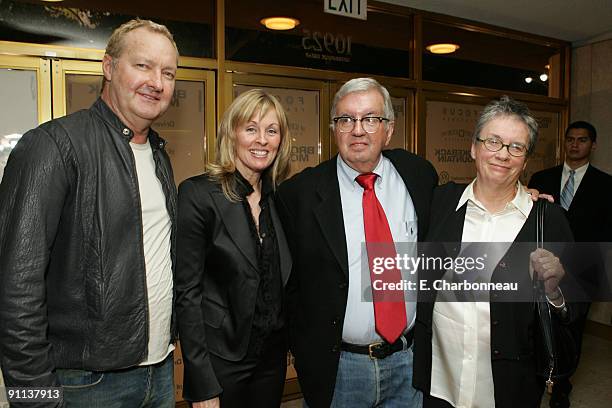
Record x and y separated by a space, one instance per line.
349 174
244 188
579 171
521 201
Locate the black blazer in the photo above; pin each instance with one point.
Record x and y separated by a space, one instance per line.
216 281
589 214
513 325
310 208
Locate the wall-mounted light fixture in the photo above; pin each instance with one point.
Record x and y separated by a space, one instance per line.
280 23
442 48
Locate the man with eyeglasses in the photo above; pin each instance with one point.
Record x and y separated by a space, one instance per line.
352 345
585 192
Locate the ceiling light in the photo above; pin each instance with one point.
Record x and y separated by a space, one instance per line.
547 66
543 77
280 23
13 136
528 79
442 48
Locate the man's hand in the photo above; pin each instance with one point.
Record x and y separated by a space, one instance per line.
550 270
535 195
211 403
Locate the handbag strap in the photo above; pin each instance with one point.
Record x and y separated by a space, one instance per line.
540 297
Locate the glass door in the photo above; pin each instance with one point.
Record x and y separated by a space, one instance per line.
25 102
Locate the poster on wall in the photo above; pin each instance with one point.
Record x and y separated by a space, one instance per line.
302 107
183 128
449 130
546 151
398 140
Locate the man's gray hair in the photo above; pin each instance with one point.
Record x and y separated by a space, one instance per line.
364 85
507 106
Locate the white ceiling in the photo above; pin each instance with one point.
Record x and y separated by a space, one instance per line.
577 21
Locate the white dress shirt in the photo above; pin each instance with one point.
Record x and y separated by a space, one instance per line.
359 323
461 372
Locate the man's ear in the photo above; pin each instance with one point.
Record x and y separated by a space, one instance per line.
389 131
107 67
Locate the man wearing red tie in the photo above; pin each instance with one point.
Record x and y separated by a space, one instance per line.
353 343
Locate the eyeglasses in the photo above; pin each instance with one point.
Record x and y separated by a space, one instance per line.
495 145
369 123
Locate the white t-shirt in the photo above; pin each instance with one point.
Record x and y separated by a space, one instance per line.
156 228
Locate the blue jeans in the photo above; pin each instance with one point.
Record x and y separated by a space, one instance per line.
146 386
365 382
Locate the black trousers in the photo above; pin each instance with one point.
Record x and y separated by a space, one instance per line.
256 381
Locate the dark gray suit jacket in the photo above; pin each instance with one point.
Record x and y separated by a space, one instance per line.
216 281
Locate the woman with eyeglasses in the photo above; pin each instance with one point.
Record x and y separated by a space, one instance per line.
471 349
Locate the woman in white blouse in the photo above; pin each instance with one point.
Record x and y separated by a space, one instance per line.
483 354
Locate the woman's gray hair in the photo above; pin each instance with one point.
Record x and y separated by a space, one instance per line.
364 85
507 106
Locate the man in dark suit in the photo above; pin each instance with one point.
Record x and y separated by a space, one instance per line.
589 201
586 194
343 355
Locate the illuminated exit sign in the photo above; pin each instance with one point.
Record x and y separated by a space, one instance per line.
348 8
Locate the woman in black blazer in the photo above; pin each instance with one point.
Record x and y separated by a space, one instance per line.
483 354
233 262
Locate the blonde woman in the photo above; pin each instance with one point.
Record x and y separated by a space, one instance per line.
233 262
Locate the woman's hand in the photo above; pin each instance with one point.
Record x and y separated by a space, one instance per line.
550 270
211 403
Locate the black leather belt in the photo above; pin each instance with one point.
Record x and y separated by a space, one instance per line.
381 349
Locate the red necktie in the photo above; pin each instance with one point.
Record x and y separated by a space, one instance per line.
389 306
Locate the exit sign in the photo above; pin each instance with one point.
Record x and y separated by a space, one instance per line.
348 8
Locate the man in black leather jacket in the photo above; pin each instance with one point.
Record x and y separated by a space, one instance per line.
87 211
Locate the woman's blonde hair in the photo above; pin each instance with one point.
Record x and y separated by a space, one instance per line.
250 103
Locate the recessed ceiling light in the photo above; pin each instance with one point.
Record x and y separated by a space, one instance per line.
543 77
528 79
280 23
442 48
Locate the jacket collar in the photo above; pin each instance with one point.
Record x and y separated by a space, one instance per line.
107 114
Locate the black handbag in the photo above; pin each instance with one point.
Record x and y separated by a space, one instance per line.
557 347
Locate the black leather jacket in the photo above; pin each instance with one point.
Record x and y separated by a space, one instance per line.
73 290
